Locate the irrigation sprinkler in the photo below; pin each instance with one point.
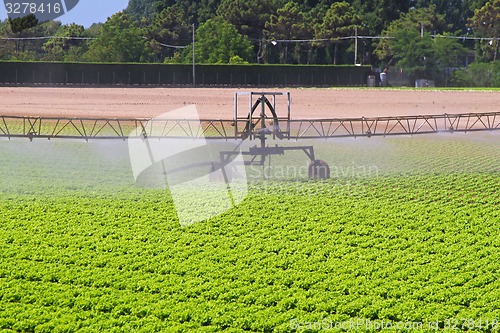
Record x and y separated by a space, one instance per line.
256 119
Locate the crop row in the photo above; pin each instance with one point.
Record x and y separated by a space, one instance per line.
90 251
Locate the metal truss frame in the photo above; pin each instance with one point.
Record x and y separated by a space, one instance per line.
293 129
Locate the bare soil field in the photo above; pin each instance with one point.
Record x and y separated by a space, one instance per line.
217 103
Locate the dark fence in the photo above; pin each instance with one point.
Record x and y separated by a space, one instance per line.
49 73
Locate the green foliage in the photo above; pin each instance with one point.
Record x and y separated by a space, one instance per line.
217 41
120 40
448 54
486 23
170 28
414 54
63 48
289 23
340 20
139 9
196 12
478 75
426 19
83 249
377 15
411 46
237 60
169 22
20 24
26 27
249 17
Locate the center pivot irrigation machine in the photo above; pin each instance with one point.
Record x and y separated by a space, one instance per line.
258 121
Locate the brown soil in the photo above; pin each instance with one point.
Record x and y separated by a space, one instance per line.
213 103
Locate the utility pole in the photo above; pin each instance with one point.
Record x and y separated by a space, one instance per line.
356 45
194 61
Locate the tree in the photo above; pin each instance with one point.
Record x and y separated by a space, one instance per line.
249 17
168 30
378 14
455 12
416 52
120 40
288 24
218 41
447 53
196 12
21 26
420 20
138 9
486 23
340 20
64 48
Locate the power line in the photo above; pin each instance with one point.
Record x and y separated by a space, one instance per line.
272 41
373 37
47 37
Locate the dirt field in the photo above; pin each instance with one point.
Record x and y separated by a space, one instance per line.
218 103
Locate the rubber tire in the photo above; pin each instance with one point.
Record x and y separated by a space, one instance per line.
319 169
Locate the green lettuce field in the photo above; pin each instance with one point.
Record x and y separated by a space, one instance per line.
404 236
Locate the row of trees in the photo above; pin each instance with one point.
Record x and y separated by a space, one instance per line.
420 33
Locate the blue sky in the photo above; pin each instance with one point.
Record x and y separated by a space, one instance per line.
86 12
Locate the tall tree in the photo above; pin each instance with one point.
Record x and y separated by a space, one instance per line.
448 54
120 40
168 30
378 14
196 12
61 47
422 20
410 45
21 26
341 20
249 17
288 24
414 52
486 23
138 9
218 41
